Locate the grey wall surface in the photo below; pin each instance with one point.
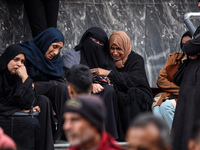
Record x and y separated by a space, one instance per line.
154 26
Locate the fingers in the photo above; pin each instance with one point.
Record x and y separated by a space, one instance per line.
100 71
33 86
22 73
193 57
94 70
26 111
54 113
36 108
97 88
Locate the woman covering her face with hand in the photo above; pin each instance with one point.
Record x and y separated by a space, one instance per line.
17 95
44 66
129 79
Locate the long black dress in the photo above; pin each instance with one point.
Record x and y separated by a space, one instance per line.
188 105
28 132
93 55
132 90
47 74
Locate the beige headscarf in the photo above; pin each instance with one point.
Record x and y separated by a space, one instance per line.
121 39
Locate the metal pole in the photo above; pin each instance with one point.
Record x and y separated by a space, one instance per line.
189 24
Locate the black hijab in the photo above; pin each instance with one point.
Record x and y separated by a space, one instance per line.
187 33
92 54
7 80
36 61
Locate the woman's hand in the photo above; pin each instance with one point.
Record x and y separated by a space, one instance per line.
22 73
33 86
97 88
100 71
193 57
36 108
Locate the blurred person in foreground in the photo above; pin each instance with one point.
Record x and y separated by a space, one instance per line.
148 132
6 143
194 141
79 80
187 109
84 118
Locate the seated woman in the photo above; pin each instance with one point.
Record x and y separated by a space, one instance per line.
165 102
188 104
17 94
44 66
92 51
129 79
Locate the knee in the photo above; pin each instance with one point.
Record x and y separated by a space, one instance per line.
156 111
62 86
42 101
108 88
167 106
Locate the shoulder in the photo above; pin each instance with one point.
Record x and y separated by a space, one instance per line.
108 142
70 58
135 55
174 57
71 52
134 58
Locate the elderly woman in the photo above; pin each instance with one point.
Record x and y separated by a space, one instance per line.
129 79
17 95
44 66
92 51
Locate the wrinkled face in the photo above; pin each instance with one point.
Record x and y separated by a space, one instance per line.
185 39
116 52
15 63
143 138
53 50
77 129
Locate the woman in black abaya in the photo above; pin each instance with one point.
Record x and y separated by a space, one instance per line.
17 95
129 79
188 104
44 66
92 51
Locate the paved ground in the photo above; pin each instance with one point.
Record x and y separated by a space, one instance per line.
62 145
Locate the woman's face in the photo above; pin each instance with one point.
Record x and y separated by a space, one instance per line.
53 50
116 52
15 63
185 39
97 41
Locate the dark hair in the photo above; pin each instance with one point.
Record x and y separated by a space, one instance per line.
145 119
195 134
187 33
80 78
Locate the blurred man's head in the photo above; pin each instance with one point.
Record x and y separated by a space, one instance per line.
194 142
84 120
199 4
148 132
79 80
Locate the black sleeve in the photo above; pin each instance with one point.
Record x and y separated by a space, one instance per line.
132 84
180 72
134 76
192 47
24 95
